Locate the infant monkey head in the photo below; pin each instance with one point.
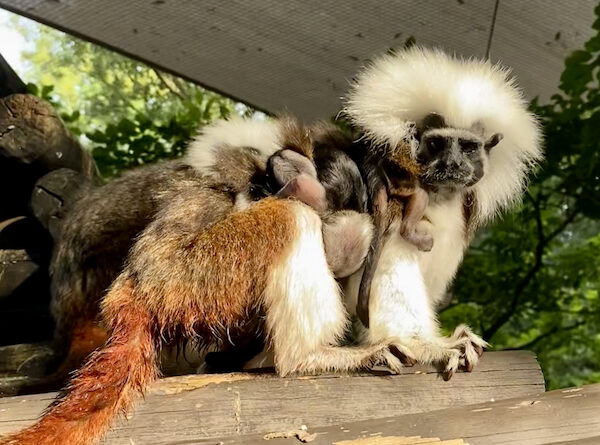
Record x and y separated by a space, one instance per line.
330 182
452 157
294 176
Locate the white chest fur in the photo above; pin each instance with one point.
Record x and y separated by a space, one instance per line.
408 283
438 267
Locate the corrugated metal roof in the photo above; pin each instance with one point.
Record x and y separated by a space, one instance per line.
298 55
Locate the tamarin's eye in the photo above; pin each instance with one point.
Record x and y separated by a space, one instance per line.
436 144
468 146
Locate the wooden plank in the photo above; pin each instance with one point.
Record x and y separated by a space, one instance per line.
568 416
587 441
196 407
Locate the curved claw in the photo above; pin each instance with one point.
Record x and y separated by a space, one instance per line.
478 349
468 366
404 359
448 374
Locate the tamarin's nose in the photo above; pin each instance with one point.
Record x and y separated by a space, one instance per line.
454 165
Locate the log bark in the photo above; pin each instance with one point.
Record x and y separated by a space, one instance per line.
33 142
53 195
190 408
32 131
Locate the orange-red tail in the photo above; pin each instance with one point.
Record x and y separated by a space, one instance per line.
106 384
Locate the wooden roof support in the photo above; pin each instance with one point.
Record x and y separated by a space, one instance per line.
10 83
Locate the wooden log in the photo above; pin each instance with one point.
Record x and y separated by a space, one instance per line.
53 195
567 416
33 142
16 267
25 364
32 132
24 282
24 359
24 251
190 408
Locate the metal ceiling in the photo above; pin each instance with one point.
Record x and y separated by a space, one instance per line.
298 55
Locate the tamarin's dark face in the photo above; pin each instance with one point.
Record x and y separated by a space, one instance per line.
452 157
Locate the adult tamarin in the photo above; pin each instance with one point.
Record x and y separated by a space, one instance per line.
407 174
388 97
230 159
101 227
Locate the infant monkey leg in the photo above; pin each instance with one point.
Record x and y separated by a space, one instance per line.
414 211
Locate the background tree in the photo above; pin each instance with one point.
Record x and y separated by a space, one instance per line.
128 113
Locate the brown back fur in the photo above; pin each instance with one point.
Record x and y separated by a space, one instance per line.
199 280
99 231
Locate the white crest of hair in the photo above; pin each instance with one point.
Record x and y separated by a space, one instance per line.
261 135
398 89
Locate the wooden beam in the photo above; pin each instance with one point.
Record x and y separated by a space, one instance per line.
556 417
197 407
10 83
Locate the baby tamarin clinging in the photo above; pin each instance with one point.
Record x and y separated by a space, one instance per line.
331 183
312 167
403 176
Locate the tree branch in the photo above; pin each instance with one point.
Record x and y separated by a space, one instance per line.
543 242
169 85
562 226
547 334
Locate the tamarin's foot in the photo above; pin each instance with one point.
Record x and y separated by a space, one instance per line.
471 346
422 241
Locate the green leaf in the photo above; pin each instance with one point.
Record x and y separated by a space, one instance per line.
578 57
126 127
32 89
46 90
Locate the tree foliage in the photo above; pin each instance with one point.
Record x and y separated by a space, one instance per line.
126 112
532 280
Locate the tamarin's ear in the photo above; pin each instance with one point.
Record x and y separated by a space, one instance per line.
493 141
433 120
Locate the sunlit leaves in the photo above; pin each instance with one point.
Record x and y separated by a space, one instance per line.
127 113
